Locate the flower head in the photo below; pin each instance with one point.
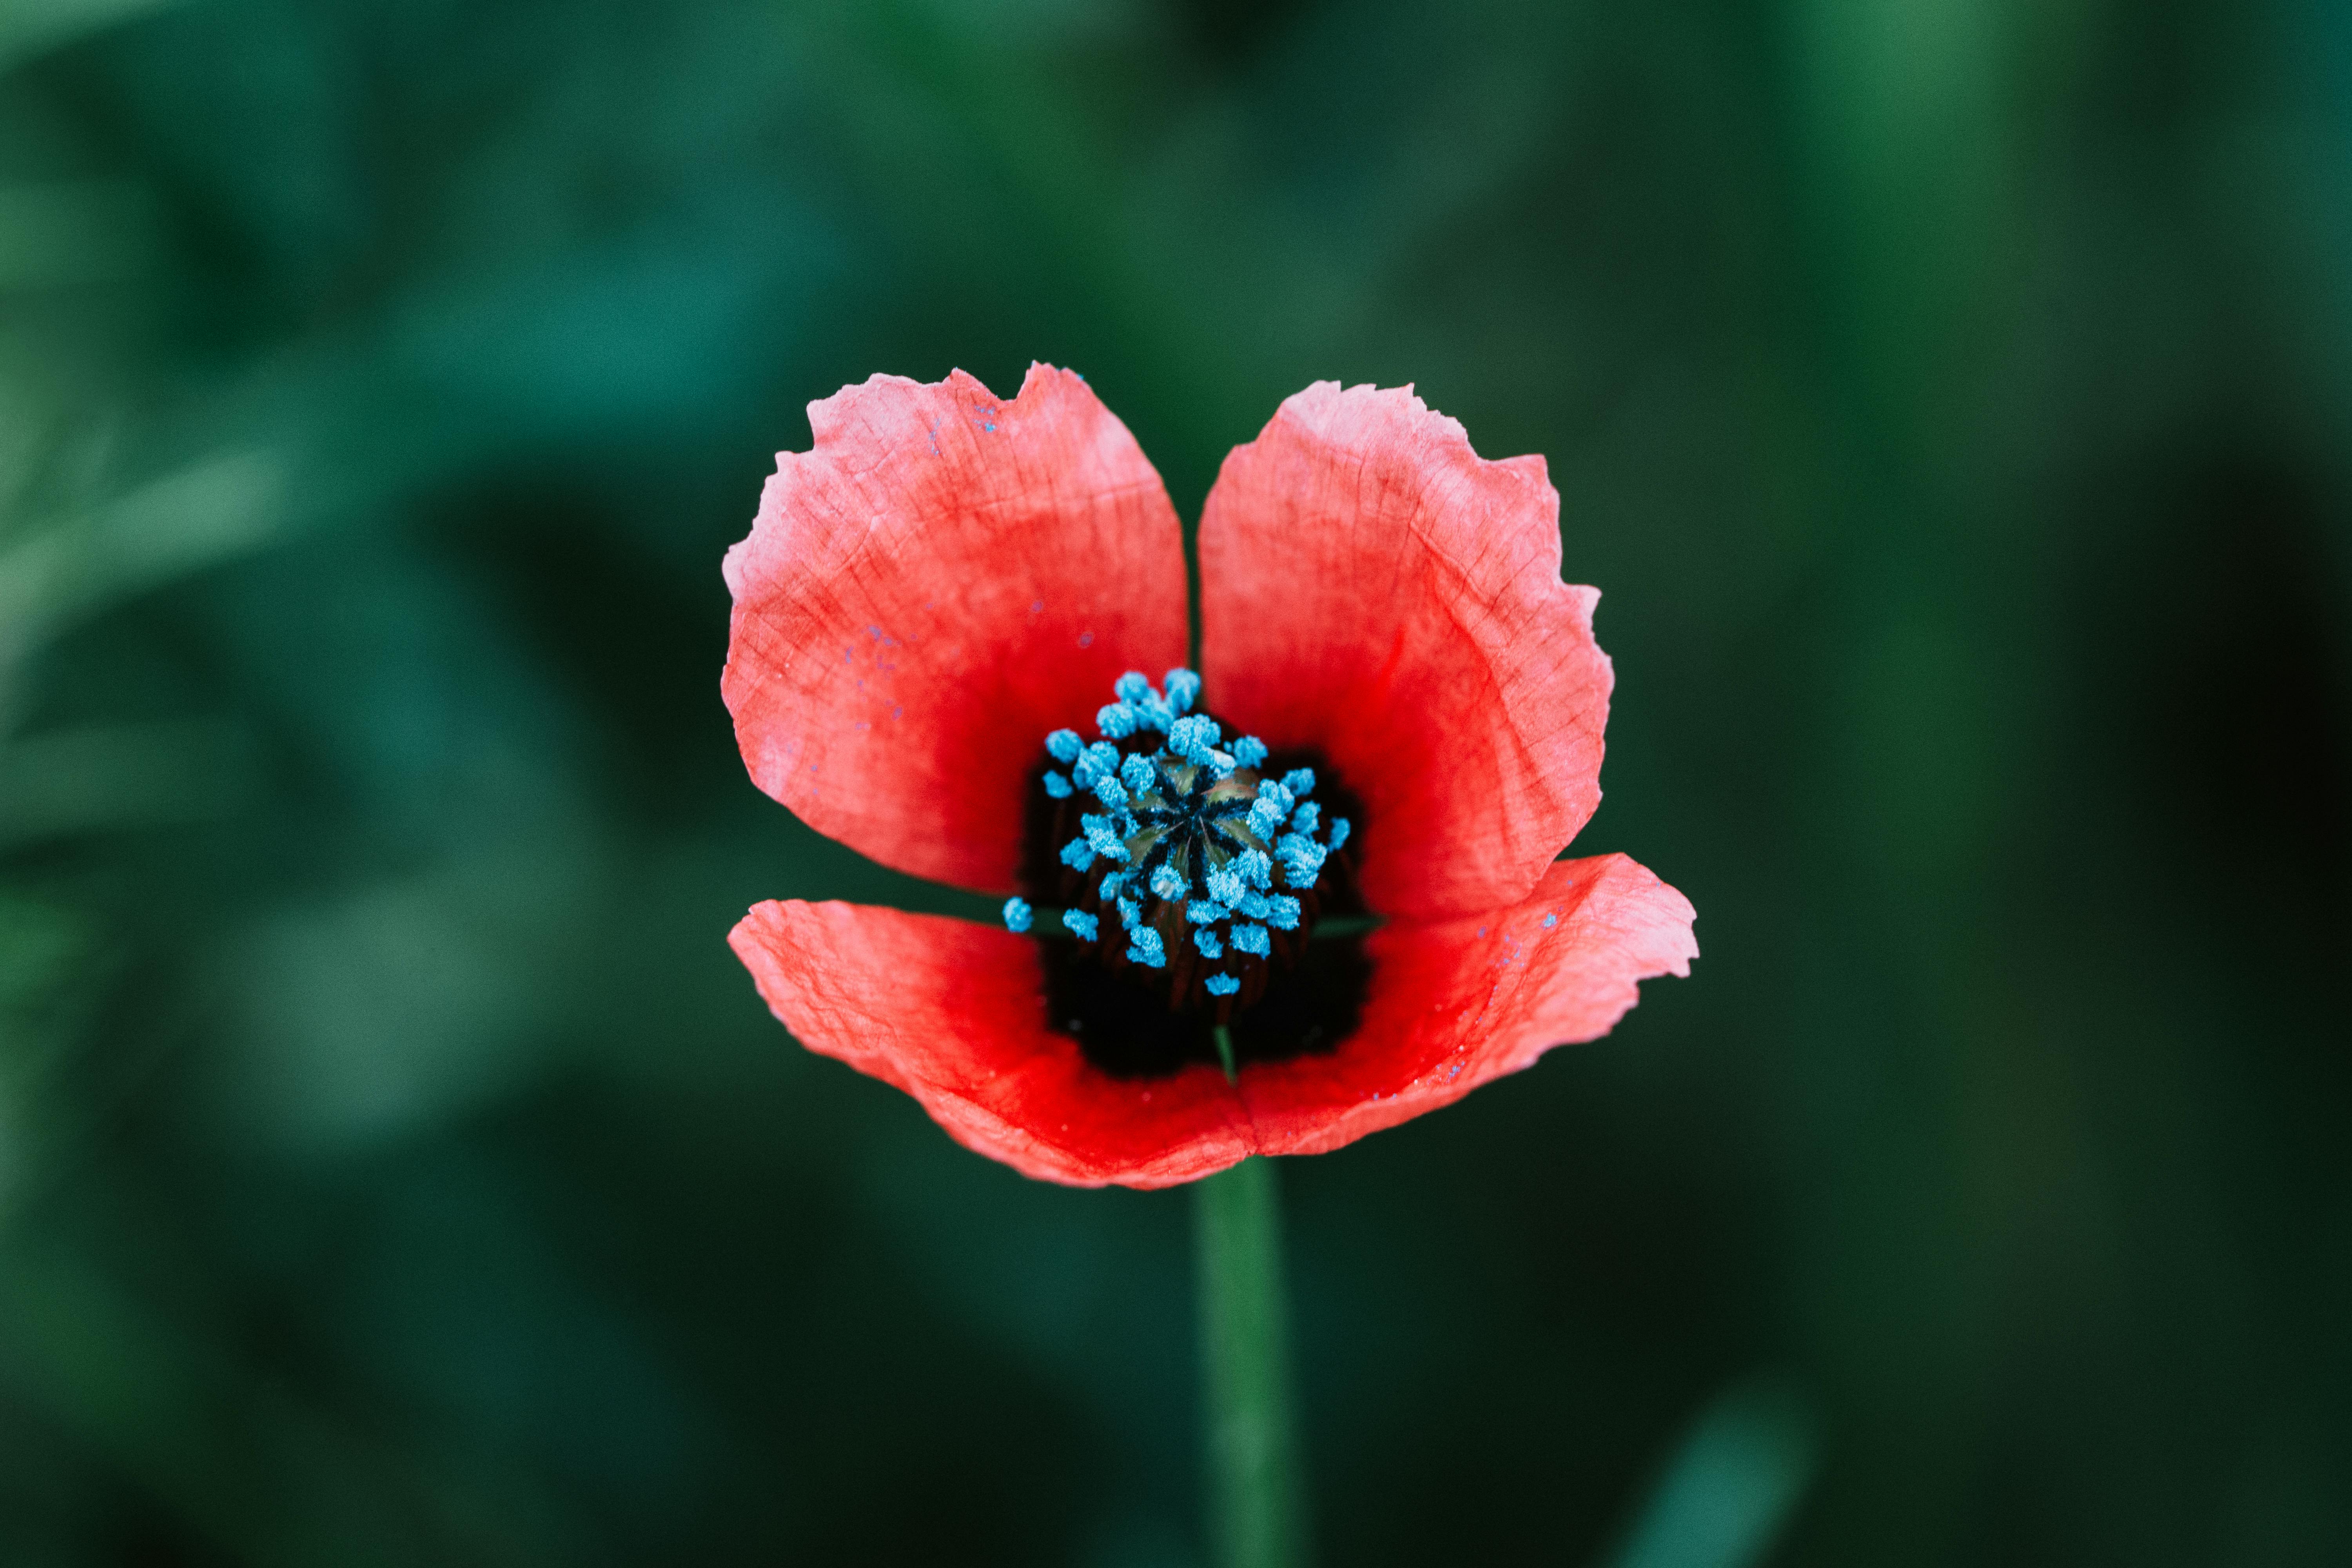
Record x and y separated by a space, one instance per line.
943 618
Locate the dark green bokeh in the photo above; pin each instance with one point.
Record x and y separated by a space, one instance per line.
1953 401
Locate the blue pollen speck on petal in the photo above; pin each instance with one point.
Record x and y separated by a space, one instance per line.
1056 785
1222 984
1017 914
1550 920
1082 925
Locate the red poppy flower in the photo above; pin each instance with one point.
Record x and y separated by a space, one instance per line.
939 596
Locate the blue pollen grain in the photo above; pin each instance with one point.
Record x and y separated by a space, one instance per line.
1203 859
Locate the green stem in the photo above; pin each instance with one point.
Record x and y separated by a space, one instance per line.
1255 1517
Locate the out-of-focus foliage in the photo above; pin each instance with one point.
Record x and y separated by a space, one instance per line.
1954 399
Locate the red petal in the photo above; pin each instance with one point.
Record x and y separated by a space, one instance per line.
954 1013
1453 1004
943 579
1373 589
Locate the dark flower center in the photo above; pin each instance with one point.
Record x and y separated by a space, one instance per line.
1187 870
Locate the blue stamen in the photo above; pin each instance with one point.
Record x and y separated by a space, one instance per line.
1064 745
1017 914
1205 911
1116 720
1256 869
1056 785
1101 832
1302 858
1132 686
1138 775
1101 761
1222 984
1339 829
1282 913
1077 854
1304 819
1168 882
1110 793
1183 690
1130 913
1144 947
1299 781
1111 883
1249 752
1225 885
1266 816
1252 939
1256 905
1206 940
1083 926
1194 738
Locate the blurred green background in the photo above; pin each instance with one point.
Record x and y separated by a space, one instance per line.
1952 397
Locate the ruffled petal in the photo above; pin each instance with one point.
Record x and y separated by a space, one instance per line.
1373 590
1455 1004
954 1014
940 582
